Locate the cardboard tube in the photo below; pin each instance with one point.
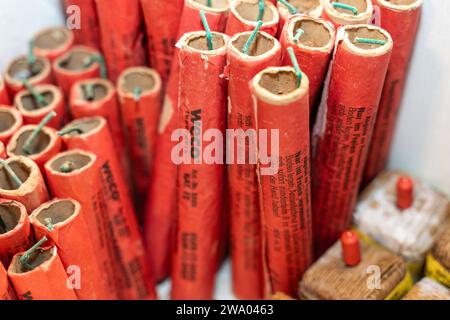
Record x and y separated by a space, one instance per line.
46 145
32 192
135 277
10 121
83 170
340 16
311 8
122 38
246 241
401 20
72 67
281 103
6 291
46 281
89 32
200 184
63 222
104 103
53 42
161 210
312 50
244 17
33 113
344 128
18 70
4 97
161 20
15 235
140 96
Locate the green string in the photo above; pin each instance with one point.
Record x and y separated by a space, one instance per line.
137 93
89 92
209 3
67 167
370 41
40 99
11 173
101 61
252 37
290 7
49 224
26 256
297 69
345 6
261 10
31 57
27 145
298 34
207 29
63 132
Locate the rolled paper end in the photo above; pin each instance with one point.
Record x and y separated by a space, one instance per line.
405 191
351 252
35 133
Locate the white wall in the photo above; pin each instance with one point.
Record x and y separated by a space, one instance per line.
421 144
20 19
422 141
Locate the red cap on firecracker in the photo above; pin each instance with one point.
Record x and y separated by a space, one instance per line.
405 188
351 253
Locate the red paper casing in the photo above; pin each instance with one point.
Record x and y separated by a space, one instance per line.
4 97
313 54
46 145
285 191
89 32
246 240
32 114
121 34
66 76
105 105
402 25
6 291
68 185
343 131
161 211
19 237
13 122
161 20
51 43
70 234
33 191
48 281
140 119
136 279
16 69
236 23
202 107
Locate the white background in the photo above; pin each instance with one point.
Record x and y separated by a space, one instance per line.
422 139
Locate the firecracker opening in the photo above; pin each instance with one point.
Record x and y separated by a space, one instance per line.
279 83
314 35
7 120
260 45
9 217
20 169
40 143
58 212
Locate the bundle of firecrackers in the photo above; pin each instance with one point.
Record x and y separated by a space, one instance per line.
94 205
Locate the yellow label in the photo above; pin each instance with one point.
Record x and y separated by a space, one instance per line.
437 271
402 288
